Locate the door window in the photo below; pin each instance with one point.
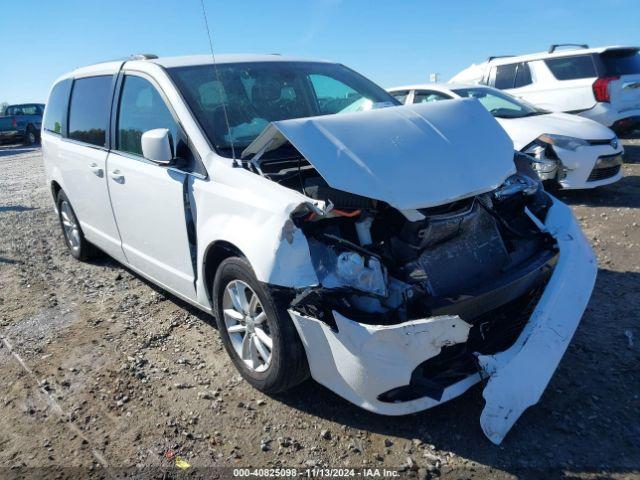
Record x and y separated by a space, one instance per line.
523 75
141 109
426 96
57 107
89 110
504 76
571 68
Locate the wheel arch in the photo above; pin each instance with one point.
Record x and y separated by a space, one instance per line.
55 190
215 253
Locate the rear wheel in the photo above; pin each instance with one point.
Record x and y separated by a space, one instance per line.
79 247
256 330
31 136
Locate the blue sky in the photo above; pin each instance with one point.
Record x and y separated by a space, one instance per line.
389 42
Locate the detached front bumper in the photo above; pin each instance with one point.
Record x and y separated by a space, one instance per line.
361 362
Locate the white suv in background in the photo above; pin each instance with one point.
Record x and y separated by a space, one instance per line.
602 84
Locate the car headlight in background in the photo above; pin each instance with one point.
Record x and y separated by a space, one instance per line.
562 141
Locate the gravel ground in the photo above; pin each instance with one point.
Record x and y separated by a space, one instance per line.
102 371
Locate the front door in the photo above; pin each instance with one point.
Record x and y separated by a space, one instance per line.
148 199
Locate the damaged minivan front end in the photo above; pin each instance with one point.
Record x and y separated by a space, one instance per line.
440 260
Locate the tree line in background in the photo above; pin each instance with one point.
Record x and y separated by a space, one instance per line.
3 107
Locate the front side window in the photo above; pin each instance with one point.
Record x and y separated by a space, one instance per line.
141 109
89 109
426 96
572 68
505 76
253 94
500 104
57 107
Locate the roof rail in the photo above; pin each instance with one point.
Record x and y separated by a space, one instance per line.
499 56
555 46
143 56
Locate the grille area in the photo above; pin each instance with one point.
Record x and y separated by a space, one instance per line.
603 173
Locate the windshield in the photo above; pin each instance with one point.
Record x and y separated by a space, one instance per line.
501 105
254 94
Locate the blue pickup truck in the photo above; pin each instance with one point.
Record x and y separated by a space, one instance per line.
21 123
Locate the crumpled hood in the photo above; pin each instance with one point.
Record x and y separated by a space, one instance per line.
411 156
525 130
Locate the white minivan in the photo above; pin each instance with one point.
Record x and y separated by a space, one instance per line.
602 83
397 255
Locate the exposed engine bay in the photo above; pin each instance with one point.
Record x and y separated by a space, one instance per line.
381 267
434 270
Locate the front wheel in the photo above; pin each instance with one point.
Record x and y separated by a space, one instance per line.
257 332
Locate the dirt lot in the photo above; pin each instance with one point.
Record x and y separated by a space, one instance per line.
103 371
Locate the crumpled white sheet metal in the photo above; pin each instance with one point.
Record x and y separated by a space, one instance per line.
411 156
359 362
519 375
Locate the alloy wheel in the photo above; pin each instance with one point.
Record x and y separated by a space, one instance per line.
245 320
70 226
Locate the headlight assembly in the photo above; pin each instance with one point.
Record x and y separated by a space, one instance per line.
562 141
338 266
543 159
366 274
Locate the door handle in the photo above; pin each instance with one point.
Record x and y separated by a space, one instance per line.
96 170
117 176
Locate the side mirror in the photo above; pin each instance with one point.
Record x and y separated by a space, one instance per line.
156 146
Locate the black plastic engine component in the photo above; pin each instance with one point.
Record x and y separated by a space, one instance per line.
318 189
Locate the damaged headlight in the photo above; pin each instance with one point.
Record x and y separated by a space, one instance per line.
544 160
366 274
515 184
338 266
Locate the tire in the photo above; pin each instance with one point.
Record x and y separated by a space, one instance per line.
78 246
287 365
30 136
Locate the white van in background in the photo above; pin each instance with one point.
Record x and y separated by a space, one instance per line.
602 84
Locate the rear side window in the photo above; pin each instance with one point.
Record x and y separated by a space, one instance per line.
505 76
572 68
56 112
141 109
620 62
89 109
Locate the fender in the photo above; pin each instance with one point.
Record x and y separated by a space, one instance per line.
247 210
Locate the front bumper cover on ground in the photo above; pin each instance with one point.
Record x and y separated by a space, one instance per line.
360 362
